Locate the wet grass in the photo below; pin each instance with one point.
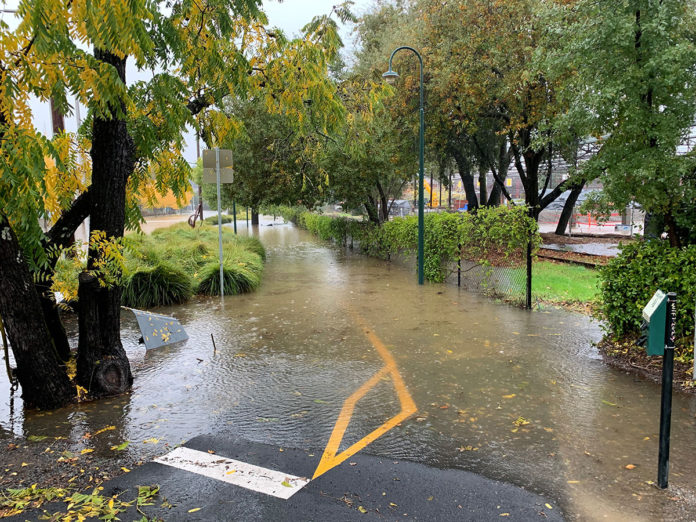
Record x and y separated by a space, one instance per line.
166 266
564 283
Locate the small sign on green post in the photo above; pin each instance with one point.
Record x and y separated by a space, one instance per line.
655 314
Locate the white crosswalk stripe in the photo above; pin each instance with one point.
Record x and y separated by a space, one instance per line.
256 478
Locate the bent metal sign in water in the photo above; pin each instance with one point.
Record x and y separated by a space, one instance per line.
210 166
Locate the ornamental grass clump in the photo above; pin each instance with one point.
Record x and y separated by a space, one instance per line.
241 273
165 267
160 285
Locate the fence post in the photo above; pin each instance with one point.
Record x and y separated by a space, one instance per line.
528 300
459 266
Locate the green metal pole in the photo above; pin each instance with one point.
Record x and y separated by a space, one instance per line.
234 211
421 161
421 174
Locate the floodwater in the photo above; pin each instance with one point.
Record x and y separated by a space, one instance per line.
597 249
514 395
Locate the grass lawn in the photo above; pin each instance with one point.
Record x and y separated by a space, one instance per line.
564 283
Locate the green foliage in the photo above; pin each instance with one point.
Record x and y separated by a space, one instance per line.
491 236
239 276
291 214
160 285
629 281
224 219
150 262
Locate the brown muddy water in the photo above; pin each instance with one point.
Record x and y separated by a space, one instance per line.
514 395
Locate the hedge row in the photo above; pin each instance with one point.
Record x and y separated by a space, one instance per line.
491 236
629 281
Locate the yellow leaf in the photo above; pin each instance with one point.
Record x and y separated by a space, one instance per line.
108 428
125 470
86 450
509 396
362 510
630 466
151 441
194 510
548 506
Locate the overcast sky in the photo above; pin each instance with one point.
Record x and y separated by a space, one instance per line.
289 15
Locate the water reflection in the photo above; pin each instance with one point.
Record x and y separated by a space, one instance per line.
517 396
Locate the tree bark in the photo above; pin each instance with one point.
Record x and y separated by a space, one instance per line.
568 209
44 382
467 179
254 216
102 365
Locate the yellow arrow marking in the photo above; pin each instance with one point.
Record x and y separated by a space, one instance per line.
331 458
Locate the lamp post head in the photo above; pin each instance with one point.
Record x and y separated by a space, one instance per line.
390 76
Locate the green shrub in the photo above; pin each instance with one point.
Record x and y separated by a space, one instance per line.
224 219
253 245
490 236
238 277
629 281
191 251
160 285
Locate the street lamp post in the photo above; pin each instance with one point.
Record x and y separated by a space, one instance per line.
390 76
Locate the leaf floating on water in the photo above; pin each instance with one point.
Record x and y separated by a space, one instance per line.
630 466
121 446
608 403
37 438
319 401
362 510
86 450
573 482
194 510
511 396
548 505
151 441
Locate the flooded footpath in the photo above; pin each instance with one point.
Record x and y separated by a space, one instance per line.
518 396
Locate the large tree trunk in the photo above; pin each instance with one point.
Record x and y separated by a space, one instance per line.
102 364
568 208
467 179
504 156
44 382
371 208
483 186
254 216
58 237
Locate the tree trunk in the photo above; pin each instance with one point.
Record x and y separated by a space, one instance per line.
467 180
372 214
504 156
483 186
44 382
53 321
254 216
102 364
568 208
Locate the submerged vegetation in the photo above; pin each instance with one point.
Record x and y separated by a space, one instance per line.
150 260
171 264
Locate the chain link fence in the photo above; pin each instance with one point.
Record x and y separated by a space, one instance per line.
496 277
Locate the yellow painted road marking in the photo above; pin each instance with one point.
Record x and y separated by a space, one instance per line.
331 458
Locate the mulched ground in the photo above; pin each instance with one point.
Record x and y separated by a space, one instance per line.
628 357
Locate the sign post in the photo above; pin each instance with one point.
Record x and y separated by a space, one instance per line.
217 168
667 375
660 316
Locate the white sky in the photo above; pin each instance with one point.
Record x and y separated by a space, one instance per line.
288 15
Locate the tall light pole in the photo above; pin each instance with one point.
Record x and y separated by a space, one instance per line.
390 76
